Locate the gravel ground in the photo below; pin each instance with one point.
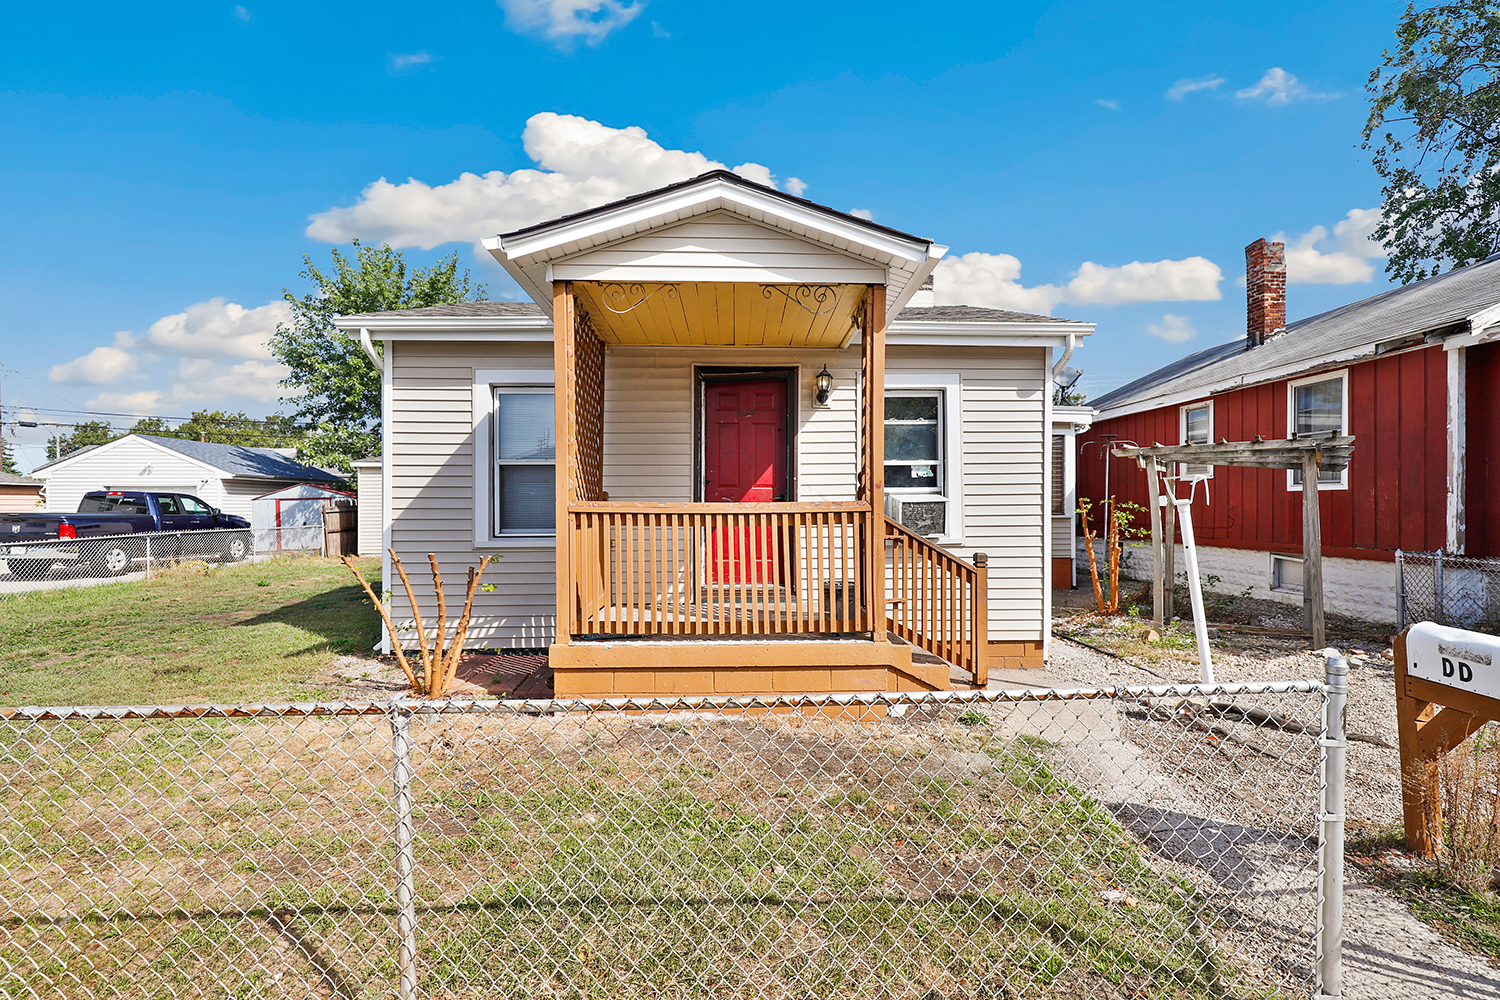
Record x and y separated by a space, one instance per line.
1388 952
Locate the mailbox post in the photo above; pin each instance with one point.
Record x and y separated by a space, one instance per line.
1447 686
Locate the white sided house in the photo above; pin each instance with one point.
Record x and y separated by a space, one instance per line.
731 446
225 476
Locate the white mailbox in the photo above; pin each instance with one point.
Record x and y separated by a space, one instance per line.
1453 657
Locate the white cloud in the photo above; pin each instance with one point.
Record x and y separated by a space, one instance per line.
994 280
567 21
1173 329
407 63
1345 262
1279 87
582 163
1192 279
208 355
219 329
240 14
1184 87
657 31
145 403
1111 105
795 186
862 213
101 366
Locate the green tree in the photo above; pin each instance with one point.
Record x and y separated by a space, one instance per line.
155 426
8 458
218 427
84 434
334 386
1068 396
1434 136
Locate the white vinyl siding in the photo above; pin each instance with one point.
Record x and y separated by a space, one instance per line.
719 246
648 420
368 484
1004 441
432 491
648 455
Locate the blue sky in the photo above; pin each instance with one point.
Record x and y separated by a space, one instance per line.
166 166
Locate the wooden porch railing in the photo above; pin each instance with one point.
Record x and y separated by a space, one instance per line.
719 568
938 602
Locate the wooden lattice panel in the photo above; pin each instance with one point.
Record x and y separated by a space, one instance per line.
588 418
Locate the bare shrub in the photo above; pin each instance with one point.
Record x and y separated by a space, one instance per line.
440 654
1468 780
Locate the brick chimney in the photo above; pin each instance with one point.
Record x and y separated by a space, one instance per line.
1265 292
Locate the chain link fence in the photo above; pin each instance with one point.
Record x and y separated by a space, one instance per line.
1121 843
31 566
1458 591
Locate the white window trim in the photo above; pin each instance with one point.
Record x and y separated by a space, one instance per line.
486 381
1182 412
951 384
1342 374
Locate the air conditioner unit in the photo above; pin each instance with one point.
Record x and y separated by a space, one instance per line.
924 514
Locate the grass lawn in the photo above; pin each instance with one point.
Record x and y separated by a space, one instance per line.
256 632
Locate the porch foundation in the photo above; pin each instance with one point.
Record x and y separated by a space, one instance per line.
642 668
1016 654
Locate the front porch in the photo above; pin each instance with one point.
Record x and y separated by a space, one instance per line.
742 596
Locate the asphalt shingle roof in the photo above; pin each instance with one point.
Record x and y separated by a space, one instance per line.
11 479
971 314
1416 308
465 309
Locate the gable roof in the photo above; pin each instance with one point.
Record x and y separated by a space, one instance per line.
12 479
529 253
231 459
1454 302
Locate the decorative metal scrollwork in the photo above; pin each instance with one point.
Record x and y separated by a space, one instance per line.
816 299
621 298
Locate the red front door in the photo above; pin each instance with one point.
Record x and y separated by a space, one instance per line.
744 461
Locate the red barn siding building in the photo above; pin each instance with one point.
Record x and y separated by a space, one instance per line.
1411 373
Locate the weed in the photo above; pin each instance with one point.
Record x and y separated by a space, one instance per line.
973 717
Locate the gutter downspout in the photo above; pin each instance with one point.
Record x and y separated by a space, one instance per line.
1062 362
374 355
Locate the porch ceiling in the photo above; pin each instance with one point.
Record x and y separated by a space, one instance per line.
722 314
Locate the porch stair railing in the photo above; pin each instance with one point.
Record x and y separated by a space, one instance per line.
938 601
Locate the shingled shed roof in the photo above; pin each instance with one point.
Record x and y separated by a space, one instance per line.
1445 303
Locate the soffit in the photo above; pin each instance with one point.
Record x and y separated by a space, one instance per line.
721 314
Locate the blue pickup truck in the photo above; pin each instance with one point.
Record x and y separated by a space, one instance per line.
105 533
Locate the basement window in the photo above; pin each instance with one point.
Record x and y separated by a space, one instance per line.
1286 574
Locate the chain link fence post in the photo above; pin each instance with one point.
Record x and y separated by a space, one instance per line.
1331 834
1400 591
406 907
1437 588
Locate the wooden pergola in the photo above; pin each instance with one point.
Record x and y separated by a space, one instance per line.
1312 454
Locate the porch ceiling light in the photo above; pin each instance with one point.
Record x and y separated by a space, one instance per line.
825 386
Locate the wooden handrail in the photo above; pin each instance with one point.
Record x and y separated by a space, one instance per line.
938 601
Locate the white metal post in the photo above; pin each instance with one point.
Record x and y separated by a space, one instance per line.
1195 588
406 907
1331 834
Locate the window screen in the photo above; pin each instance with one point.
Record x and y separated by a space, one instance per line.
1197 428
525 462
1059 494
914 440
1318 408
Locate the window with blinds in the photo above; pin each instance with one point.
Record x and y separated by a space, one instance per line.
525 461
